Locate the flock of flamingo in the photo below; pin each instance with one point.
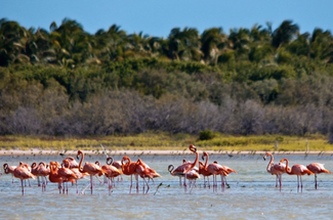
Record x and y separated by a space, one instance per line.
299 170
70 171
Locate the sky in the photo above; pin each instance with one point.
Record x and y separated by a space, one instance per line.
157 17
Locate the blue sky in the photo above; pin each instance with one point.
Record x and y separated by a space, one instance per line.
157 18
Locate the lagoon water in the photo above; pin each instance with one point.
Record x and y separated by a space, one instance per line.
251 195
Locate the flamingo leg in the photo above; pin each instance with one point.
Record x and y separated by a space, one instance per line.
146 185
214 182
180 180
91 184
59 188
276 181
43 186
136 183
110 185
22 185
316 183
131 185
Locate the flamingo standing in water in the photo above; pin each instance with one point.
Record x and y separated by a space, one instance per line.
61 175
217 169
67 163
179 171
185 168
117 164
110 172
317 168
9 170
275 169
91 168
299 170
203 170
22 172
43 171
128 168
34 172
144 171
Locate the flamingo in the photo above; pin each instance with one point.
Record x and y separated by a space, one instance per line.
61 175
317 168
34 172
29 169
203 170
275 169
297 169
71 162
192 176
183 169
152 172
91 168
117 164
9 170
43 171
179 172
144 171
22 172
217 169
67 164
129 168
110 172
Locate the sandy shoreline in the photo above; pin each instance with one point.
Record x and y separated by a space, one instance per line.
36 152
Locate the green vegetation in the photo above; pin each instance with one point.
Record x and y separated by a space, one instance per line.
162 141
252 82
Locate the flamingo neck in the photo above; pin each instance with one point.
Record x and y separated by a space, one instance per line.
6 169
206 162
170 168
287 163
271 161
81 159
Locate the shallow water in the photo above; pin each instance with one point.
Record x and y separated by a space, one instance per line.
252 193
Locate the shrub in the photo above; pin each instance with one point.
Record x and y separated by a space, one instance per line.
206 135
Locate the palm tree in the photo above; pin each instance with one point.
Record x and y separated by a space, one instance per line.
70 42
261 48
285 33
321 45
240 42
111 43
213 41
12 42
183 44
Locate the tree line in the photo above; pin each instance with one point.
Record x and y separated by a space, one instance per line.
66 81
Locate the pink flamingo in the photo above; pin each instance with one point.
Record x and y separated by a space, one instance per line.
144 171
43 171
9 170
299 170
110 172
22 172
217 169
91 168
317 168
275 169
203 170
183 169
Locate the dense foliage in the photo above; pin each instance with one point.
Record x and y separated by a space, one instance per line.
66 81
